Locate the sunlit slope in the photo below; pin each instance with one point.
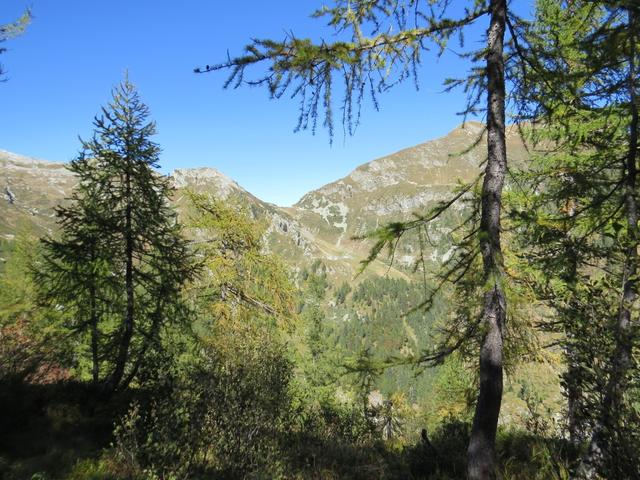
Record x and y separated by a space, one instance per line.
29 191
320 226
398 186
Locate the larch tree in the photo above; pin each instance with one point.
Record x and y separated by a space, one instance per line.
582 216
121 261
12 30
615 46
400 31
565 189
240 282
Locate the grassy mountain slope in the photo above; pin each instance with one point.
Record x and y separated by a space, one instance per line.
320 226
29 191
395 187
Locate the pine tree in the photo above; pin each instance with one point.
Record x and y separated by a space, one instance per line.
561 190
581 216
401 32
617 43
121 261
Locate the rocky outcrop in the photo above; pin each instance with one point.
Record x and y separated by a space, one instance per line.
321 225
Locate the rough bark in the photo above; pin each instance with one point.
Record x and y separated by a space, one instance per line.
593 460
481 452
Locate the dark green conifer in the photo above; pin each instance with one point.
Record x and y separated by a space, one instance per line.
121 261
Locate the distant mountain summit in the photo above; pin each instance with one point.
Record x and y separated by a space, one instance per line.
321 225
206 178
30 189
395 186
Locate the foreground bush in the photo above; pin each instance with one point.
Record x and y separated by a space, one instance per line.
225 414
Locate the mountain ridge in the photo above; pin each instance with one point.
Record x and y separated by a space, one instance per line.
321 225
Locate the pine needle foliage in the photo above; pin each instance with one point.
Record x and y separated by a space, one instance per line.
384 42
239 279
120 261
578 214
12 30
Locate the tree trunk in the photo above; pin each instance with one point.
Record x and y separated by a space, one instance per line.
574 395
573 375
127 327
149 339
594 458
481 453
95 368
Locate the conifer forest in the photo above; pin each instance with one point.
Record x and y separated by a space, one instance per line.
466 308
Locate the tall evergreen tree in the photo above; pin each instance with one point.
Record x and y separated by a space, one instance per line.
401 30
581 87
620 39
121 261
563 188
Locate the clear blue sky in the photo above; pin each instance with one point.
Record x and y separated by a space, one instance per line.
62 69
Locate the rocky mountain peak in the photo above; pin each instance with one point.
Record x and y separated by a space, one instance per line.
206 177
420 164
320 226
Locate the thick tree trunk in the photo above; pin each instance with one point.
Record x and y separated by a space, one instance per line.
481 453
621 362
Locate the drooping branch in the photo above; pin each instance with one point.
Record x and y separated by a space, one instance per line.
308 70
388 235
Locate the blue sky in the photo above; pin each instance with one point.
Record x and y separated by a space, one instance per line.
62 69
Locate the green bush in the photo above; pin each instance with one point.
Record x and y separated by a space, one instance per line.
227 415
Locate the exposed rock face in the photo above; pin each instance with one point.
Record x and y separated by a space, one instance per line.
31 188
401 183
206 178
321 225
9 195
